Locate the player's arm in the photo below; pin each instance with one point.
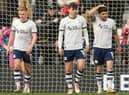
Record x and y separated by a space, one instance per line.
116 36
94 10
33 41
11 39
34 38
91 13
34 35
12 33
117 40
86 36
60 37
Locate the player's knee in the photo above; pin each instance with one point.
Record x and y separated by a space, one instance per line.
81 68
109 68
69 71
16 67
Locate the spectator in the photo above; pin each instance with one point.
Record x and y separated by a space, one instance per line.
49 17
125 42
48 31
5 32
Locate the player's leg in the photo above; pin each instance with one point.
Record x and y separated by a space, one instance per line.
68 58
26 69
79 73
98 61
17 74
27 77
110 76
80 56
99 69
68 76
17 70
109 62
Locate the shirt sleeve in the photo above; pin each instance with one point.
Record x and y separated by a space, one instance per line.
85 32
61 34
114 28
13 26
34 28
114 25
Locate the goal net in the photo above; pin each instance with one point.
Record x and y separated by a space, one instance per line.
47 66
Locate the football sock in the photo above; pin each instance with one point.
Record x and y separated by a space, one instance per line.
68 78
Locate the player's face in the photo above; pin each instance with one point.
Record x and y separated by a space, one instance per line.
103 16
23 15
73 12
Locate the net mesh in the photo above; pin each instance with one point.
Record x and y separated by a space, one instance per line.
47 66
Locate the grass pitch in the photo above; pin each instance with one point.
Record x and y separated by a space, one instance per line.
127 93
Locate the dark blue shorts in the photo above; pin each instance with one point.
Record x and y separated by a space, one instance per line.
69 55
102 55
21 55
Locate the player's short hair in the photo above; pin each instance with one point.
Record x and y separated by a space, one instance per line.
25 5
73 5
102 9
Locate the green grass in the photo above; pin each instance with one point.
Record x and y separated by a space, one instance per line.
62 94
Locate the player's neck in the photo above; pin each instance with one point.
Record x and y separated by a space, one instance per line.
103 19
72 17
24 21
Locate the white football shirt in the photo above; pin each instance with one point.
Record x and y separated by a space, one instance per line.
70 33
103 32
23 33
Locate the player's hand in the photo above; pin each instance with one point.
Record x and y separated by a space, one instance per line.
101 5
29 50
11 49
61 52
87 49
